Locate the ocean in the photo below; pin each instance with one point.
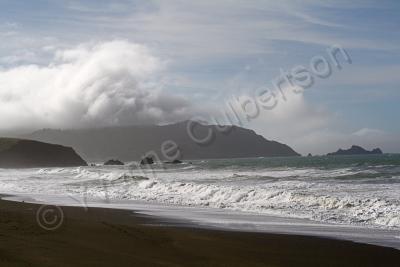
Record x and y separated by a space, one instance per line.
348 190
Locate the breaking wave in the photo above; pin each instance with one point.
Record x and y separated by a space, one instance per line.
353 192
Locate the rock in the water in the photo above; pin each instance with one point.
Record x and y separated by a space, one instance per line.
309 155
176 161
20 153
114 162
377 151
147 161
356 150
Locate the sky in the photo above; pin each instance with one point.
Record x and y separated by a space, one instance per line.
76 64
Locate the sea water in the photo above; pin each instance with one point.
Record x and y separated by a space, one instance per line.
359 191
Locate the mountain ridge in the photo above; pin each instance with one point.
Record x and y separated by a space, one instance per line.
133 142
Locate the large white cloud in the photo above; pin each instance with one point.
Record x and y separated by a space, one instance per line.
110 83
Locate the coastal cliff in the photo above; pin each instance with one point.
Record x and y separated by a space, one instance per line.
20 153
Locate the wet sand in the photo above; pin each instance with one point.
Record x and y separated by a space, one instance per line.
107 237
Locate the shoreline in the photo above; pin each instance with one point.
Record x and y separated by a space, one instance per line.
221 219
112 237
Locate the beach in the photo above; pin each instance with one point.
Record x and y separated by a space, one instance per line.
199 133
112 237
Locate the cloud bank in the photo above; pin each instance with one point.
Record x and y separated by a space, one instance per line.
104 84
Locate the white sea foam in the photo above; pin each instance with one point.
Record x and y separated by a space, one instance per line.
319 194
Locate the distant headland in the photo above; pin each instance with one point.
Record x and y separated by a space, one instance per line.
20 153
356 150
132 143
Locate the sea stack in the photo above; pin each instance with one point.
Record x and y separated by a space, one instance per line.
114 162
20 153
147 161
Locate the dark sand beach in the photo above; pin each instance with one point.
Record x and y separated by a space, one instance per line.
106 237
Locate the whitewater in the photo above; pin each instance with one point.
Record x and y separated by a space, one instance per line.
358 191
